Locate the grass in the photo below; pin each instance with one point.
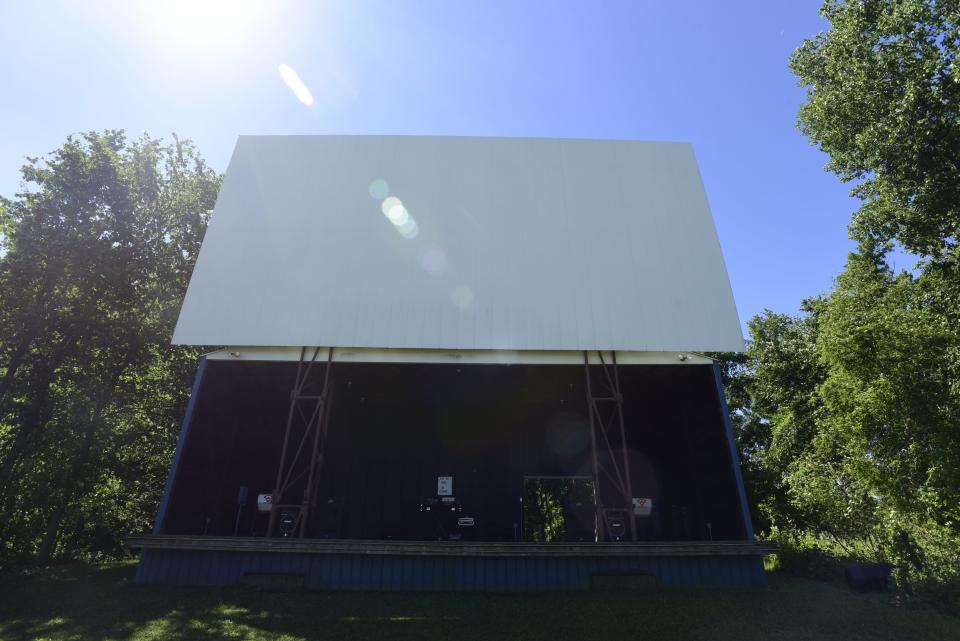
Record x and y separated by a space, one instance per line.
79 602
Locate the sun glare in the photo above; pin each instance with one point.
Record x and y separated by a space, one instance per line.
205 25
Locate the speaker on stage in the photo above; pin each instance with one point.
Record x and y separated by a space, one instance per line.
327 518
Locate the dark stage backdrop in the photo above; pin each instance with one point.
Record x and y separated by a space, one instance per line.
395 428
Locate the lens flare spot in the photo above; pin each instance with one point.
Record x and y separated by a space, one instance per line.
379 189
292 80
389 203
568 434
462 296
398 215
392 207
434 260
409 229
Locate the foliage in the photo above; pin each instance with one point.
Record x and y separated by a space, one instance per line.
806 555
859 396
849 411
99 245
884 102
544 516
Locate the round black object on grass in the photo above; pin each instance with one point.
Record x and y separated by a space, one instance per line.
868 577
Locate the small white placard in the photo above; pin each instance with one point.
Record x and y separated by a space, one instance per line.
264 502
444 486
642 507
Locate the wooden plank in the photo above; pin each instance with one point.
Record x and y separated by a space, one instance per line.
450 549
353 572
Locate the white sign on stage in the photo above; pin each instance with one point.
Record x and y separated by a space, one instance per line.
444 486
642 506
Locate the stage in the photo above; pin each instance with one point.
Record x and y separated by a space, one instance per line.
525 510
393 429
518 398
448 565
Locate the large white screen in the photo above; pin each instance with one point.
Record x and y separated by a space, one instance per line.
518 243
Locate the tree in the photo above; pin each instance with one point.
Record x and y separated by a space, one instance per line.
100 246
883 100
862 390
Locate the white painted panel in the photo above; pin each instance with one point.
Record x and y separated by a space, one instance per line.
523 244
464 357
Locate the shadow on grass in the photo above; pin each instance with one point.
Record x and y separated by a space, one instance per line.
79 602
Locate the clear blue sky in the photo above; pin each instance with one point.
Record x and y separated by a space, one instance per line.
711 73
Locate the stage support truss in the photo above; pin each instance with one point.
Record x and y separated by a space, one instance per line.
301 463
608 442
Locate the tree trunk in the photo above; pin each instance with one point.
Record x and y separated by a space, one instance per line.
27 337
38 413
50 537
16 359
70 489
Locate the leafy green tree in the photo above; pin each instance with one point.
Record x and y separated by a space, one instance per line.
884 102
99 248
861 392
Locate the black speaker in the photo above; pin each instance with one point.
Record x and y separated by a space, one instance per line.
617 524
288 521
241 505
327 519
579 520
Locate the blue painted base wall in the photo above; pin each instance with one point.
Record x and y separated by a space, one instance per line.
410 573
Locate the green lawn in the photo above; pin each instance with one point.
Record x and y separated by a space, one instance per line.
79 602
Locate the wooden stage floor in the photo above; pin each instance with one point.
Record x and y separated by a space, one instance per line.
462 565
449 548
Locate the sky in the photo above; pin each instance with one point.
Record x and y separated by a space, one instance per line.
710 73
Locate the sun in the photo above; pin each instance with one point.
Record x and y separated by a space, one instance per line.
195 26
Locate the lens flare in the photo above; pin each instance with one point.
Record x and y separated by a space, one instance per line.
392 207
388 204
409 229
379 189
433 260
292 80
462 296
398 215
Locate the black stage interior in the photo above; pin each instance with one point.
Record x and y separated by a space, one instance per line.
394 428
